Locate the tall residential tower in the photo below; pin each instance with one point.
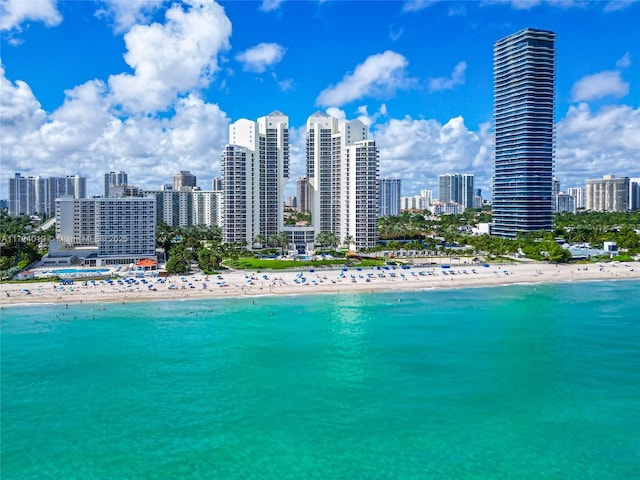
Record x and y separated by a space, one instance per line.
114 179
184 180
456 187
524 68
390 193
610 194
37 195
255 168
343 172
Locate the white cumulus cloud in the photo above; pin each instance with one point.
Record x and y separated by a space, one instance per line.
127 13
599 85
591 144
171 58
19 108
369 119
260 57
85 136
15 12
448 83
418 150
379 75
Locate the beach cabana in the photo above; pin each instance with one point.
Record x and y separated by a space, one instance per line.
147 264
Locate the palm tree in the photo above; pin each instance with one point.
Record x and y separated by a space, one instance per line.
348 241
282 240
164 234
333 240
322 240
260 240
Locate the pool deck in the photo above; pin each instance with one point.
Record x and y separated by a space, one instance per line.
78 272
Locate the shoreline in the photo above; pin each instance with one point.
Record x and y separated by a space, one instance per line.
240 284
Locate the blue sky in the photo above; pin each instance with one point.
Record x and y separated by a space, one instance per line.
150 87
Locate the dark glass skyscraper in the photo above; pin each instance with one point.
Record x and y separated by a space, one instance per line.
524 66
390 190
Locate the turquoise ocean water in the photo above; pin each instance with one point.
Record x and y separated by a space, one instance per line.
517 382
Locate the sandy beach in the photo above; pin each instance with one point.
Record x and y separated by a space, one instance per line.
246 284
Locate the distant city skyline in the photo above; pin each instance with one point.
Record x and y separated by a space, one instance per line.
422 82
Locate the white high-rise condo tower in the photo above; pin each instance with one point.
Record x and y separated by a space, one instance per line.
255 168
342 168
524 68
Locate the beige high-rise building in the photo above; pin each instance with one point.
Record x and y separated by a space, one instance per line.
184 180
610 194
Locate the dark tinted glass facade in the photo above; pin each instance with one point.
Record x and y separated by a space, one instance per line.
524 100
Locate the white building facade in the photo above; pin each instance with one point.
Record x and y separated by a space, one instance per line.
186 207
579 195
207 208
255 168
417 202
343 173
446 208
125 229
118 230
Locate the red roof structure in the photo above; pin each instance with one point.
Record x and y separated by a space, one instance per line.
146 263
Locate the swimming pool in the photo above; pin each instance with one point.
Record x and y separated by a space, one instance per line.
87 271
